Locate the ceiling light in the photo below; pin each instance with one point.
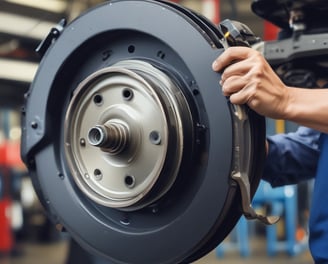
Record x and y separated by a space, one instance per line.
17 70
55 6
24 26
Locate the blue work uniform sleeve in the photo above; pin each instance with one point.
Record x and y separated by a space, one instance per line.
292 157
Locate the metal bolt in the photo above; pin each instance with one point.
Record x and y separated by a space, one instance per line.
34 125
82 142
61 175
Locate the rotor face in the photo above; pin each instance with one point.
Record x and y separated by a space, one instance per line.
132 150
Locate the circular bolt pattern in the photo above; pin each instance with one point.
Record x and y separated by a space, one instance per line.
128 115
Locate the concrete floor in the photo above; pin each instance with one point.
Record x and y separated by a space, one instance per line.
55 253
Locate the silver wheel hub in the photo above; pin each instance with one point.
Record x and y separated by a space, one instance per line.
120 125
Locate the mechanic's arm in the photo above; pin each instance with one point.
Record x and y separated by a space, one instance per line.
292 157
248 79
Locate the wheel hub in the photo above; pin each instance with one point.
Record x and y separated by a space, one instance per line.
120 125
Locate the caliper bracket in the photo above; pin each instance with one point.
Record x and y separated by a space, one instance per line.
241 159
237 34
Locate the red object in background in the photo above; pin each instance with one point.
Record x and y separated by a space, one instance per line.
270 31
3 154
10 155
211 10
6 236
9 158
217 18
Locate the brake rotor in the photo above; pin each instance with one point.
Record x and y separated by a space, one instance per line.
129 141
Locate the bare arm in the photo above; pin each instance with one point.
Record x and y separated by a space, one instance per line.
248 79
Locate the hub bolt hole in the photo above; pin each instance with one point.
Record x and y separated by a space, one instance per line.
98 99
131 49
98 175
129 181
127 94
155 137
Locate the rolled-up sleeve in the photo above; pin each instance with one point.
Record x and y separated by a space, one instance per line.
292 157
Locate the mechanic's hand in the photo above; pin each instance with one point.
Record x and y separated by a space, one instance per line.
248 79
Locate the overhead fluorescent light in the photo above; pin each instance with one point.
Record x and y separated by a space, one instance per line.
55 6
17 70
24 26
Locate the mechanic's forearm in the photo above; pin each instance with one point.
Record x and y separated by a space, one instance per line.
308 107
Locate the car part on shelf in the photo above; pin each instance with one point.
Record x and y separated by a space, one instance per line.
129 141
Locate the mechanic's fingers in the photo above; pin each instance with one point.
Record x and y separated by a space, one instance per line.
230 55
243 96
232 84
240 68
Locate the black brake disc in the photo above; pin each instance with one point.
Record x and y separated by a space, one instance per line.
128 139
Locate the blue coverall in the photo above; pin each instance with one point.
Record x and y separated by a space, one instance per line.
298 156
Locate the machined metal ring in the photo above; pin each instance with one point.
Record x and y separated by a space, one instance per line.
120 124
